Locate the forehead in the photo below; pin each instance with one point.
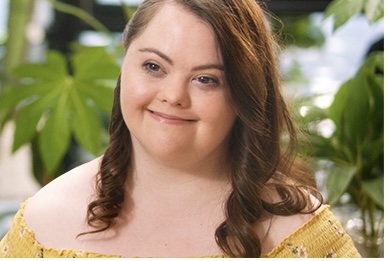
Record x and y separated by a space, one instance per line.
175 27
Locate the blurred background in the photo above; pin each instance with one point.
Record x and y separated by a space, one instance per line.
59 61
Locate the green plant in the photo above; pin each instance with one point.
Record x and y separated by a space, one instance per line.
297 30
62 100
52 104
356 147
355 150
357 144
343 10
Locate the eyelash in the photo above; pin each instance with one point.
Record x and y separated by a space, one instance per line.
209 80
153 68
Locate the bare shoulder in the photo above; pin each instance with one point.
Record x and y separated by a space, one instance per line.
67 187
276 228
61 204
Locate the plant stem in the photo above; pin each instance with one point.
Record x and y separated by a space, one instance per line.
19 15
371 212
81 14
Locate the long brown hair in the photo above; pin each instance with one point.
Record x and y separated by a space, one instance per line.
260 161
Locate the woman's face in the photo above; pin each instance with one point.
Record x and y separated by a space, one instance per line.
173 90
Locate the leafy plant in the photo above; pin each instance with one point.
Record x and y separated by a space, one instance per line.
343 10
355 150
356 146
63 101
54 104
298 30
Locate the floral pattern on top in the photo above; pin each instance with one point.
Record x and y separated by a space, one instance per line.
304 242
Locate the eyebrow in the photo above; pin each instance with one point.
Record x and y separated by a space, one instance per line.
157 52
169 60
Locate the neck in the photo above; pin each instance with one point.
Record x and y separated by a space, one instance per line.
148 172
177 170
201 181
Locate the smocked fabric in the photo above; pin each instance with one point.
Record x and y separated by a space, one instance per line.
322 236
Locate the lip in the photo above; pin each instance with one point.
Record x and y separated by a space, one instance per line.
169 119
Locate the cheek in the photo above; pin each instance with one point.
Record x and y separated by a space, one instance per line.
219 113
133 93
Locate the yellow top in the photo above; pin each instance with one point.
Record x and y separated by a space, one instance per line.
322 236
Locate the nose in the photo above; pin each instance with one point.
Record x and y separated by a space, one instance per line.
174 91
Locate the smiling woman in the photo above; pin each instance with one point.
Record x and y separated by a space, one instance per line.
195 166
176 104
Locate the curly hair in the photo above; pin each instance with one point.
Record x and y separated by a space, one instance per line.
260 159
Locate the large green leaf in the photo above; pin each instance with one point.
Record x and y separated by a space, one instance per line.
54 138
343 10
85 124
341 153
374 10
95 80
51 70
13 96
102 96
55 105
26 123
376 85
336 109
356 113
320 146
336 112
375 62
358 105
378 58
28 117
375 190
373 150
88 65
338 180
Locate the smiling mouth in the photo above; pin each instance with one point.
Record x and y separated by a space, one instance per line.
169 119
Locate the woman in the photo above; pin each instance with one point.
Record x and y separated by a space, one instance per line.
196 165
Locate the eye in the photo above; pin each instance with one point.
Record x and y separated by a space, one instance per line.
152 67
206 80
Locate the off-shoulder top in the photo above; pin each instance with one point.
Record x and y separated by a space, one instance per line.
322 236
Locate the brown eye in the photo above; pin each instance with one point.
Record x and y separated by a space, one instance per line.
152 67
203 79
207 80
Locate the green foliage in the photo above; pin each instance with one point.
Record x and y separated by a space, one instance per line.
52 104
355 150
63 104
338 180
14 43
80 13
298 30
343 10
356 146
